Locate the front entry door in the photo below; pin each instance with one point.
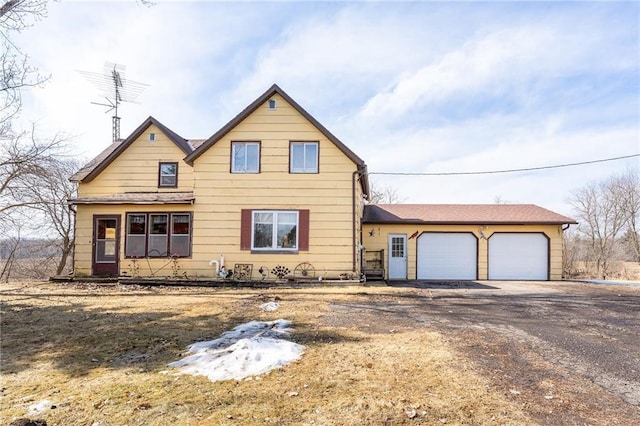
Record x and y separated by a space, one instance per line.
397 257
106 244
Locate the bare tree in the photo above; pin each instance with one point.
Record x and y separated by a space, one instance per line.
570 253
628 185
602 217
47 193
34 187
21 158
10 245
15 71
383 194
33 172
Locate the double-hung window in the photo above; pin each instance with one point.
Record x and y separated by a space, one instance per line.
181 234
303 157
136 244
274 230
168 175
245 157
158 235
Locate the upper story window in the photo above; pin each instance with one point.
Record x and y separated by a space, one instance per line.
168 175
272 104
245 157
303 157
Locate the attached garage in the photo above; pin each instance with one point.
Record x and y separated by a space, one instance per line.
518 256
467 241
447 256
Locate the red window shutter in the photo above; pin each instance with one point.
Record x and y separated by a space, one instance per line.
245 229
303 232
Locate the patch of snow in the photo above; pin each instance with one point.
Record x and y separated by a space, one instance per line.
269 306
250 349
38 407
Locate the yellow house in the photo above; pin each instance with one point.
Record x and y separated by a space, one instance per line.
463 242
274 194
271 194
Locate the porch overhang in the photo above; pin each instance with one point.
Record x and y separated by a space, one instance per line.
137 198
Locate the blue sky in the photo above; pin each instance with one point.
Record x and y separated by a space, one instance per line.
418 87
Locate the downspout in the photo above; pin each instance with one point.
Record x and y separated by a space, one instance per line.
354 259
74 211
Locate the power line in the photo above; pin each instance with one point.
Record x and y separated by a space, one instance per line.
488 172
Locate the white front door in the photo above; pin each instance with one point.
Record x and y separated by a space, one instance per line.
397 257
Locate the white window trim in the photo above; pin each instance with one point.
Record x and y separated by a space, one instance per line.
233 157
274 231
304 169
168 175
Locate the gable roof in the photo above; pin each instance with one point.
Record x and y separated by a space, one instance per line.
459 214
106 157
275 89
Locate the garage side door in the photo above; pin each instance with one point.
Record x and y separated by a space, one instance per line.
447 256
518 257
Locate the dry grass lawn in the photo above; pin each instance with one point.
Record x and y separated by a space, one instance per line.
99 354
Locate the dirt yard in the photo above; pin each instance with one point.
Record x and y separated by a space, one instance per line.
565 353
466 353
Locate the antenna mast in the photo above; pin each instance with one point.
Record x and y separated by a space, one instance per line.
115 88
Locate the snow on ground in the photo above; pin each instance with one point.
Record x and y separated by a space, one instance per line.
250 349
269 306
39 407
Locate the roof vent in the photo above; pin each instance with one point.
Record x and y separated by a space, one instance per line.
272 104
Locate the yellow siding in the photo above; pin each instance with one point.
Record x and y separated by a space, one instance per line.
379 241
221 195
136 169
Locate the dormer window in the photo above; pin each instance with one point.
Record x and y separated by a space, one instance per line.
168 175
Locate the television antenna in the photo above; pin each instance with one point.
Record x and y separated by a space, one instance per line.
115 89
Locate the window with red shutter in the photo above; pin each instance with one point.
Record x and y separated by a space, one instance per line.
274 230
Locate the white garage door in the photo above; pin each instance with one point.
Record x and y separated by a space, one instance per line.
447 256
518 257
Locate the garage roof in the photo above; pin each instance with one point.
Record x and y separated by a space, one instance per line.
453 214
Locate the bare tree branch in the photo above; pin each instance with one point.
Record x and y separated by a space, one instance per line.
15 71
382 194
602 216
22 157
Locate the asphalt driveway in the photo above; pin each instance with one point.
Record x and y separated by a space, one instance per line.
568 351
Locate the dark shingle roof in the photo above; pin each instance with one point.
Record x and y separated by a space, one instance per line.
463 214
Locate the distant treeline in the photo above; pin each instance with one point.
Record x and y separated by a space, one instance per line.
29 248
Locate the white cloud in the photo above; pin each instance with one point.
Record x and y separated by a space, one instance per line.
417 86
